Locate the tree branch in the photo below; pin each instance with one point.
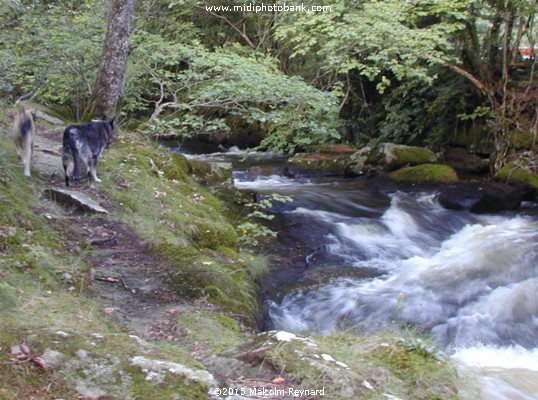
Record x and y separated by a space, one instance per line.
466 74
241 33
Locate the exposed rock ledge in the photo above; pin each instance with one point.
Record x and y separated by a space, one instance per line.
77 199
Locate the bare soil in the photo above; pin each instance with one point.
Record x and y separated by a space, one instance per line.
128 277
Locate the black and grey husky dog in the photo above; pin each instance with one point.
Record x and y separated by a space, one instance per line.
23 137
84 144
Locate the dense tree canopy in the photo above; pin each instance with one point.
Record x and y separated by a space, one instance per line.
405 71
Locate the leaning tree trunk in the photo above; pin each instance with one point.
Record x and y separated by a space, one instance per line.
109 84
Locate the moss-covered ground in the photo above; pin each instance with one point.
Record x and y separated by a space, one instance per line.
166 227
425 173
48 266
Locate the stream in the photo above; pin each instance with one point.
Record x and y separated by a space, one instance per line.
366 258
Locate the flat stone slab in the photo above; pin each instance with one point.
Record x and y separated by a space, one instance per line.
48 118
71 197
47 158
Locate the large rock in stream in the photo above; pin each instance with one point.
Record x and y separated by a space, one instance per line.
522 174
340 160
320 161
425 173
481 197
387 157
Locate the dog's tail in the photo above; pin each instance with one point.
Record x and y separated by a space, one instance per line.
25 129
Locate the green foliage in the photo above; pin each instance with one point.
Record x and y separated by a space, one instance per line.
416 112
254 230
393 48
51 50
194 91
377 38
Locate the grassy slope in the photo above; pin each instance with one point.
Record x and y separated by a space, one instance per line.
43 285
152 191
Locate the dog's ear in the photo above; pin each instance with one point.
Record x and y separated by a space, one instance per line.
104 117
112 122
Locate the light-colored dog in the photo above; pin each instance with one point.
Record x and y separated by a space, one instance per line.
23 137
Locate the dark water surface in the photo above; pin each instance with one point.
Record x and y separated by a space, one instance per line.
358 256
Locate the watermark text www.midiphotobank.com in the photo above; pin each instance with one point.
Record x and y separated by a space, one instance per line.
269 7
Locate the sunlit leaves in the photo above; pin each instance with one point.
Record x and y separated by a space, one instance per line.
214 84
377 36
54 49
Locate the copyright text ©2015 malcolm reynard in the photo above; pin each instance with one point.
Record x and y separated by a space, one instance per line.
263 392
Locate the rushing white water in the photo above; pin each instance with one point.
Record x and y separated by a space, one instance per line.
266 182
476 287
500 372
472 281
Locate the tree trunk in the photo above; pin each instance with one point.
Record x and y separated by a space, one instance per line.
109 84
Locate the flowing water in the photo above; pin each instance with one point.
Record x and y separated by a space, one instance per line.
371 260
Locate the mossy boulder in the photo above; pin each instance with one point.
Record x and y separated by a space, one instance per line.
463 161
366 161
388 157
434 173
177 167
328 160
518 173
398 155
482 198
337 160
316 164
212 173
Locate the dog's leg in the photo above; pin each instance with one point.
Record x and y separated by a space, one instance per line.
76 165
65 162
27 151
75 145
27 146
23 130
89 166
93 169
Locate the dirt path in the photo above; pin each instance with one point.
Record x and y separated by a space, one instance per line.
131 281
124 274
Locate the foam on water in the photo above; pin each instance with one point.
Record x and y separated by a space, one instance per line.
266 182
499 373
473 282
479 286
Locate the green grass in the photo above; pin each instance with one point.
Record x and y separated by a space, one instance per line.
43 291
151 190
182 221
209 330
387 362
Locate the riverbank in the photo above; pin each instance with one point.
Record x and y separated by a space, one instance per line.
154 299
